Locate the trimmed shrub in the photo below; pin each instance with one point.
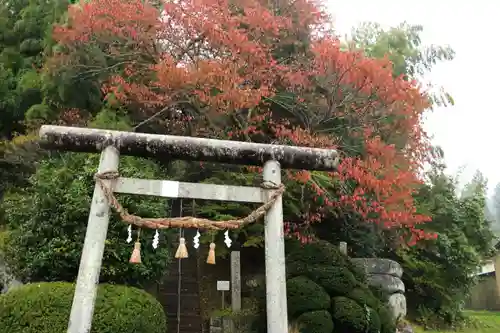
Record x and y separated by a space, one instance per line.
320 253
358 273
363 296
348 316
315 322
387 324
305 295
337 281
355 308
45 308
380 294
324 264
374 322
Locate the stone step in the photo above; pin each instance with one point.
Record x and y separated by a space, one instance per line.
189 323
187 306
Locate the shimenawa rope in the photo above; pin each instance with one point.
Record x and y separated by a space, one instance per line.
186 221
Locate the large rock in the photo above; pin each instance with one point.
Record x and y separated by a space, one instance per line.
397 304
379 266
388 283
7 281
386 274
9 285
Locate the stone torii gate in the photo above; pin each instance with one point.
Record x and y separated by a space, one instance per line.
113 143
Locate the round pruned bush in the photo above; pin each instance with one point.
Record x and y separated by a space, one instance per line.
383 321
358 274
355 307
337 281
379 293
45 308
325 264
348 316
319 253
364 296
315 322
387 323
373 323
305 295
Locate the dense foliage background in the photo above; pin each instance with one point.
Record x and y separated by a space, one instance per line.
239 70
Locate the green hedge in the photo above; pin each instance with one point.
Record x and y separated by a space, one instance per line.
326 293
315 322
304 295
374 324
364 296
45 308
349 315
321 253
355 308
336 280
386 322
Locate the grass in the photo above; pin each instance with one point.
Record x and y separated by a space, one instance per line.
487 322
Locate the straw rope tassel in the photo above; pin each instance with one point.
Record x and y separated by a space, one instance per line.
135 258
211 254
182 249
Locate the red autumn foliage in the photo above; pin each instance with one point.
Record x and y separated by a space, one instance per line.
220 57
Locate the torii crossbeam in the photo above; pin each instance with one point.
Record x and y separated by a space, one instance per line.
113 143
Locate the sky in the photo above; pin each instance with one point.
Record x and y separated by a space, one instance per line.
469 130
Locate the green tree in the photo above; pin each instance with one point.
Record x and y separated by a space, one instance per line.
478 184
46 221
25 30
45 215
403 45
495 207
25 40
439 274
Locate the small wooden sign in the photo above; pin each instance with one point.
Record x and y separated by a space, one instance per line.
223 285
